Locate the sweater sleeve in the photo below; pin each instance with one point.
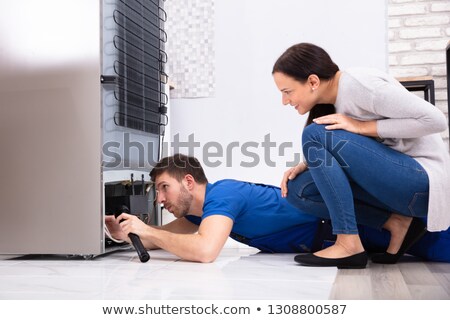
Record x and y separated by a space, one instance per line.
405 114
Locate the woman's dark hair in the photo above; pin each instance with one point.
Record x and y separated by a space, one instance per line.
178 166
302 60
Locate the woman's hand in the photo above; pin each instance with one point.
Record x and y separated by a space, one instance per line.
289 175
339 121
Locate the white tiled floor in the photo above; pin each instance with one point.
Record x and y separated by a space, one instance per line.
238 273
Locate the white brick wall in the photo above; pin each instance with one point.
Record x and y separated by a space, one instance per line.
419 31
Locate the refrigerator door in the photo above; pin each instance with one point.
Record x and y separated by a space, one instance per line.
50 127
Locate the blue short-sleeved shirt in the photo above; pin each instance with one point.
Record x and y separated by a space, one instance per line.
256 209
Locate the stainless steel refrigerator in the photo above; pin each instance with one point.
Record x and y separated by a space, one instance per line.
82 110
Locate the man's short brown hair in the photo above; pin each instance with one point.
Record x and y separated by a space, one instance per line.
178 166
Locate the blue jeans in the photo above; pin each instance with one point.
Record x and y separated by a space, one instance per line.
355 179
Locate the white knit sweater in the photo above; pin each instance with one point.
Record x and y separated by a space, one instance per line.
406 123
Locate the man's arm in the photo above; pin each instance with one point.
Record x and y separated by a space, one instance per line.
178 226
203 246
181 226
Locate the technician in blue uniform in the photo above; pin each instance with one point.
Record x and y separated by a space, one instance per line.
255 214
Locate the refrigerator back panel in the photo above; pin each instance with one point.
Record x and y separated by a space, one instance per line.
133 83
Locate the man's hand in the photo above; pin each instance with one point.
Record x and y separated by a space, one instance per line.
132 224
114 228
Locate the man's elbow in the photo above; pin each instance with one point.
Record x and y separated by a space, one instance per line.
207 255
207 259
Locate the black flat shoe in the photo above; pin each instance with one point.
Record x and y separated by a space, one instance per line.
415 231
356 261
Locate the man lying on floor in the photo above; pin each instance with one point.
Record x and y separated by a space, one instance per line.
254 214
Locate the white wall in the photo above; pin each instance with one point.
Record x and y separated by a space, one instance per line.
249 36
418 36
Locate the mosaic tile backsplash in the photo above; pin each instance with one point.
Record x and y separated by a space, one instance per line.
190 47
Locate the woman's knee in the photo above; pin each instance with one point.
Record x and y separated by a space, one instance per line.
313 132
302 187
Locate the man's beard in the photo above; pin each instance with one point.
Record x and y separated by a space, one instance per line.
183 203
